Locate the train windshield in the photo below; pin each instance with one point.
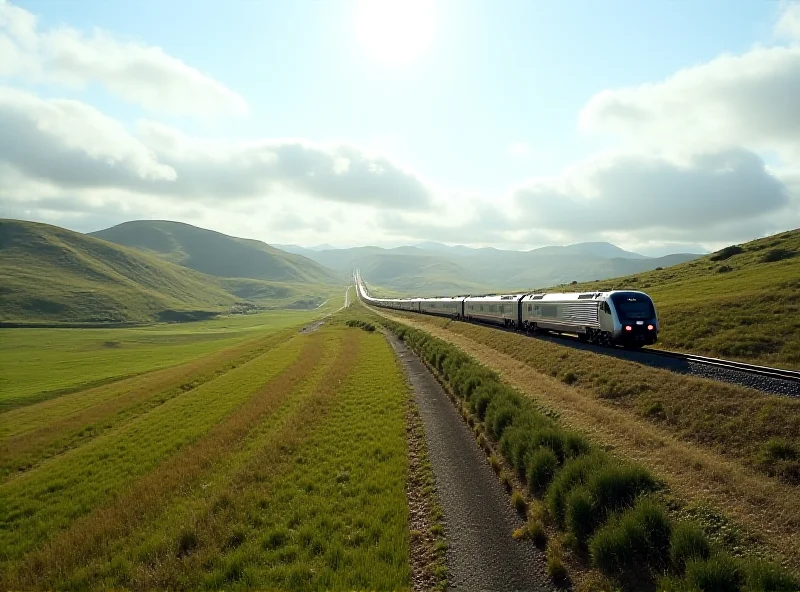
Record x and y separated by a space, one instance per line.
633 306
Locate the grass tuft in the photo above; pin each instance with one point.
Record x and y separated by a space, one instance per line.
720 573
687 543
639 537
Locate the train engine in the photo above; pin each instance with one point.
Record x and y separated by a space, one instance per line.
626 318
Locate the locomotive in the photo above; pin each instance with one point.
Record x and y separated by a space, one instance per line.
619 317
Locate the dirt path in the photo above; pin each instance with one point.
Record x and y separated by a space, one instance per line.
478 516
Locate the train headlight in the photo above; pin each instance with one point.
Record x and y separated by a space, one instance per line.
650 327
628 328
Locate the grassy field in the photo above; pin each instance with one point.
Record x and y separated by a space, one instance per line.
723 450
742 302
37 364
280 461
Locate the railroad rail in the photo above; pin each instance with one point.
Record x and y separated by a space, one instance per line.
780 373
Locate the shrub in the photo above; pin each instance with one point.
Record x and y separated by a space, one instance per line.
555 562
687 543
519 503
580 513
554 439
575 445
726 253
480 402
613 487
574 473
724 269
537 533
569 378
762 576
780 449
639 536
540 466
187 542
720 573
499 415
774 255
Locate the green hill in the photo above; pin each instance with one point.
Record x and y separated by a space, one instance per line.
217 254
51 274
741 302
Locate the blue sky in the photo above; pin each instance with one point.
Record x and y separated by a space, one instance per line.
490 105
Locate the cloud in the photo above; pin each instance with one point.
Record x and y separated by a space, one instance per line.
788 25
648 196
140 74
216 170
71 144
749 100
68 150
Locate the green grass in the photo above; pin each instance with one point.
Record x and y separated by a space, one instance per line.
53 494
39 364
216 254
283 464
53 276
742 303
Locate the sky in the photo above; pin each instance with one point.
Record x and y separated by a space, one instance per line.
659 126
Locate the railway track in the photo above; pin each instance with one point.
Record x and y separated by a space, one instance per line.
777 381
780 373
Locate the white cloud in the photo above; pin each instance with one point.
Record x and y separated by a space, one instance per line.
65 156
647 196
139 74
747 100
788 25
71 144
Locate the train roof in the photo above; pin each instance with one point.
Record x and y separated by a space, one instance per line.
495 298
570 296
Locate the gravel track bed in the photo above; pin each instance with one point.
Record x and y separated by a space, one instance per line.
478 516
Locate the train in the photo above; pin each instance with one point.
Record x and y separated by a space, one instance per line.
624 318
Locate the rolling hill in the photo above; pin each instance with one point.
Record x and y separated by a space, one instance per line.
433 268
741 302
217 254
51 274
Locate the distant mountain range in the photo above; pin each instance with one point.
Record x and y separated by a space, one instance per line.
434 268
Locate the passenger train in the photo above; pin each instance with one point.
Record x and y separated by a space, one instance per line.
620 317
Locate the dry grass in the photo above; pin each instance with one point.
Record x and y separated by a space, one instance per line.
740 423
762 505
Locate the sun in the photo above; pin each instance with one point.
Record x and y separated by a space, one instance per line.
395 32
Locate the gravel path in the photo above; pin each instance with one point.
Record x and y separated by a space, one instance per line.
478 516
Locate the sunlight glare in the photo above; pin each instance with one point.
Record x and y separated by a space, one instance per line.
395 32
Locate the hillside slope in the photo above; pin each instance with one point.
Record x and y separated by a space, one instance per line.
217 254
51 274
742 302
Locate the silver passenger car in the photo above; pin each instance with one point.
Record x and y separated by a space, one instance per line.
445 307
499 309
